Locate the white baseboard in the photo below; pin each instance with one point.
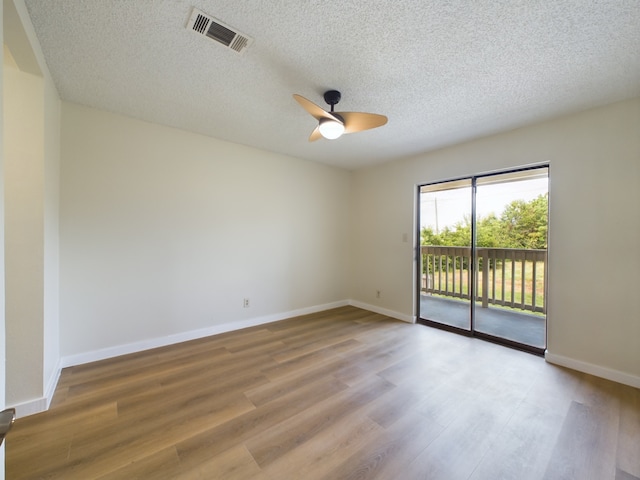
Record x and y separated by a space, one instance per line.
110 352
52 384
383 311
31 407
591 369
37 405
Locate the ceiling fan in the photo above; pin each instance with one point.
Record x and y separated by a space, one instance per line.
332 125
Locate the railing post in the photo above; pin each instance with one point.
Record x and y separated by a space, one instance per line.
421 270
485 276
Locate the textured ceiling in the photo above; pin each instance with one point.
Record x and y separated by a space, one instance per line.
442 71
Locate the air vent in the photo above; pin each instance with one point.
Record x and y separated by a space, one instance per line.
212 28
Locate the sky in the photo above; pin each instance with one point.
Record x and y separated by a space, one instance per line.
452 205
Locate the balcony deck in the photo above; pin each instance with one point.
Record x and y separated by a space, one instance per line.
519 327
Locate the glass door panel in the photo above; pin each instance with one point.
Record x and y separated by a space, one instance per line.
446 254
511 250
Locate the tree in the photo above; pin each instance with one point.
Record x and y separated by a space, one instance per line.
490 232
521 225
428 237
525 223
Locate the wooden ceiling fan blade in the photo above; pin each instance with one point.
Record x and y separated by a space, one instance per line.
315 135
359 121
312 108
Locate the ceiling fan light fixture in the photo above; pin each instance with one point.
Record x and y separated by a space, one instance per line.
330 129
332 125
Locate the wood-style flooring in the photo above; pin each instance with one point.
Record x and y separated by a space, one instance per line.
342 394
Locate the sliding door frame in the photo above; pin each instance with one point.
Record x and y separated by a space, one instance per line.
474 274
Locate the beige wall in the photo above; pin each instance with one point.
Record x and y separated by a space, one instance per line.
3 335
51 274
594 260
165 231
24 233
31 151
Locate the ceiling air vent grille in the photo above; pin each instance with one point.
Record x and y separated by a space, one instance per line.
212 28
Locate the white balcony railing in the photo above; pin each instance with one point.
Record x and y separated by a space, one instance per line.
509 277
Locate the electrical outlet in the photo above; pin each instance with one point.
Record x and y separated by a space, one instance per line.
377 293
245 303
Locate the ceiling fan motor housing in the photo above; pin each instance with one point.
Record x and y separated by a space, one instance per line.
332 97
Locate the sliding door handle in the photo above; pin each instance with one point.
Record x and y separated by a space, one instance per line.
7 417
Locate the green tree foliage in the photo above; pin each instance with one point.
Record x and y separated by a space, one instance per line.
521 225
428 237
525 223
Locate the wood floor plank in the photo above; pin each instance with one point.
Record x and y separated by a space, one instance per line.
163 463
555 388
622 475
628 451
272 390
240 429
523 448
444 404
327 359
417 366
339 394
235 463
387 455
119 446
278 440
373 359
586 445
394 404
48 439
459 449
325 451
163 399
315 342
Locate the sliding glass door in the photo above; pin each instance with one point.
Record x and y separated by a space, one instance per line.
445 239
511 221
484 255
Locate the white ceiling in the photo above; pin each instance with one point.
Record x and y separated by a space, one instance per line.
442 71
